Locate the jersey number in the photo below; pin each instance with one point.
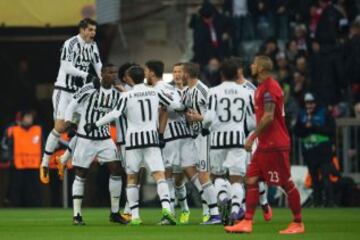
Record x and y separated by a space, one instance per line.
274 176
227 115
142 106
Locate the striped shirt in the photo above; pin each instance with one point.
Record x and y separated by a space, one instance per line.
93 104
195 98
140 106
176 126
75 60
229 104
250 118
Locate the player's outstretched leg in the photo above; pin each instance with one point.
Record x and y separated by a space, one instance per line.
65 157
267 211
293 196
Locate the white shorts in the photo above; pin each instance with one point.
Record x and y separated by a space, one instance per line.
151 156
233 160
60 99
86 150
202 148
179 154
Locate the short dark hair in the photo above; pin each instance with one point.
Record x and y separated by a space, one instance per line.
106 65
137 74
192 69
239 61
123 68
229 69
178 64
156 66
86 22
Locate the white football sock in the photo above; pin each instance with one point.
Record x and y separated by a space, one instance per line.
195 180
181 196
221 189
163 192
263 193
170 182
237 197
132 192
78 194
50 146
210 197
115 184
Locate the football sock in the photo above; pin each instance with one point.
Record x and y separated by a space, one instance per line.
237 196
181 196
132 192
50 146
195 180
163 192
210 196
170 182
252 199
77 194
228 188
263 193
115 184
221 189
293 197
67 154
127 209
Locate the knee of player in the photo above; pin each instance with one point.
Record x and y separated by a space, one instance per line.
158 175
132 179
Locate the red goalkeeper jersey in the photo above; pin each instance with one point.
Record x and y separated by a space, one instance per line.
275 137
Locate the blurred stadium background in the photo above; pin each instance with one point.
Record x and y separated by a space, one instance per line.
312 51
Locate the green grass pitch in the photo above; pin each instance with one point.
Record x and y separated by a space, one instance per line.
53 224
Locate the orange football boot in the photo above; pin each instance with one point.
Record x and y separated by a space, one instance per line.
294 228
244 226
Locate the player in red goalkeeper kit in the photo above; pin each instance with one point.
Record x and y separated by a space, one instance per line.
270 161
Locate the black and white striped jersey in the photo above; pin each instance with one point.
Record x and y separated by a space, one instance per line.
176 126
93 104
195 98
251 117
229 105
75 59
141 108
121 124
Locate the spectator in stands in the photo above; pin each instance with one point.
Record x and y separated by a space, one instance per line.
270 49
280 18
260 10
243 28
291 51
316 128
352 60
25 143
299 87
211 73
210 34
301 65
